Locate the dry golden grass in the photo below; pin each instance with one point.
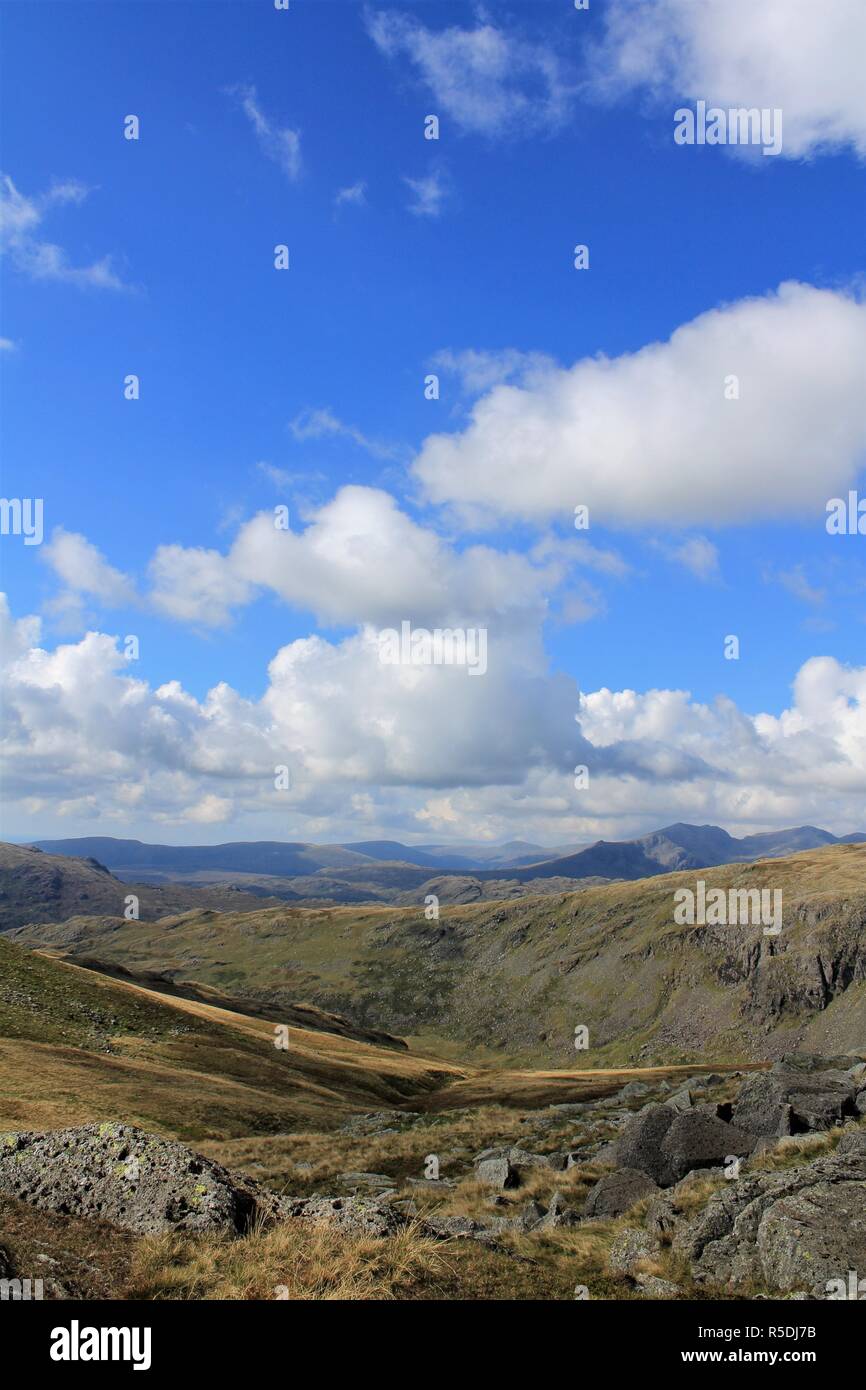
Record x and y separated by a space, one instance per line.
299 1260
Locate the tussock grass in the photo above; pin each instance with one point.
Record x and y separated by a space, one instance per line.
298 1260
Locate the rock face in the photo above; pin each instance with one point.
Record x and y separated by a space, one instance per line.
793 1230
135 1180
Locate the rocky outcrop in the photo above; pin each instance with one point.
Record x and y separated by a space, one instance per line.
799 1094
135 1180
792 1230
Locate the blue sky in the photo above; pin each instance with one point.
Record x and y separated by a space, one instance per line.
260 387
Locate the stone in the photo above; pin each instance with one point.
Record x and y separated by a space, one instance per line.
697 1139
793 1230
355 1216
617 1192
630 1248
853 1141
639 1145
680 1100
496 1172
558 1213
135 1180
654 1287
794 1099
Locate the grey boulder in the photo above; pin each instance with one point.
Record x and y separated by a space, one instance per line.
617 1192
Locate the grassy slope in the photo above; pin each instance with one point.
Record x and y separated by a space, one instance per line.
508 982
76 1047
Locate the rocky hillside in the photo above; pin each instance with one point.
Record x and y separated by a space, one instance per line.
664 1190
39 887
513 980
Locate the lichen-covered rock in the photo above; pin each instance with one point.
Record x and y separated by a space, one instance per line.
652 1286
792 1230
354 1216
133 1179
558 1213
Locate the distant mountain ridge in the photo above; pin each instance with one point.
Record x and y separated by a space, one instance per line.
674 847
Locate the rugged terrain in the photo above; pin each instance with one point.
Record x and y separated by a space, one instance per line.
226 1105
513 980
39 887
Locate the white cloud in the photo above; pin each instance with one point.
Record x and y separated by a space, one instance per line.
796 55
652 437
421 748
279 143
20 219
479 370
280 477
488 80
360 560
7 345
195 585
84 570
428 194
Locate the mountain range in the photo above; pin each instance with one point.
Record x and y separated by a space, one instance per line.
390 864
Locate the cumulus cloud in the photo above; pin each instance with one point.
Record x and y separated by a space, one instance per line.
84 569
360 559
20 220
279 143
738 416
424 748
801 57
487 79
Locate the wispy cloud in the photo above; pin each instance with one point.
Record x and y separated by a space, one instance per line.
319 424
697 554
20 220
488 80
279 143
796 582
355 195
428 195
